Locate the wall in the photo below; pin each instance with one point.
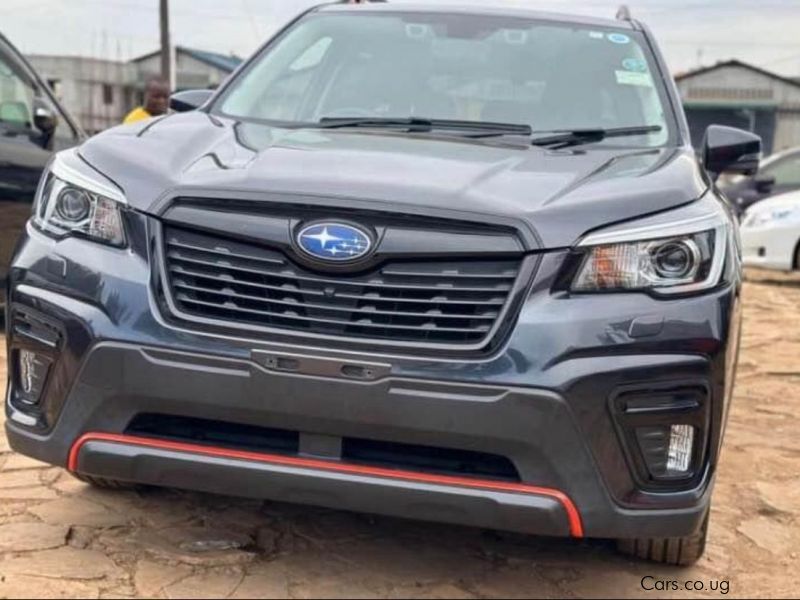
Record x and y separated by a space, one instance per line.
763 123
80 84
190 72
722 92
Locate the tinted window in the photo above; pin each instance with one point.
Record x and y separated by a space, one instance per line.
16 94
548 75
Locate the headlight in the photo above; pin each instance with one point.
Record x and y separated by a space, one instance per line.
673 258
74 200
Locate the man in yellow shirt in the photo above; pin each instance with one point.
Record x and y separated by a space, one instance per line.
156 102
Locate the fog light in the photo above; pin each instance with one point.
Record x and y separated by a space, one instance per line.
667 450
681 441
27 366
31 374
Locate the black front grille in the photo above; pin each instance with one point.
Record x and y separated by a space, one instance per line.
454 302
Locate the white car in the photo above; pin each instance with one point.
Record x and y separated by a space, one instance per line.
771 233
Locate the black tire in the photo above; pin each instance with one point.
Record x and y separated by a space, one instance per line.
103 483
796 263
678 551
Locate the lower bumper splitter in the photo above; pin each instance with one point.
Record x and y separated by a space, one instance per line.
478 502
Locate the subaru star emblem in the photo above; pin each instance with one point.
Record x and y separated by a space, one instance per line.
336 242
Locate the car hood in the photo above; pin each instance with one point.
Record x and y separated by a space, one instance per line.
559 195
787 200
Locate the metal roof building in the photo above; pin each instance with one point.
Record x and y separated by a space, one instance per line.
193 68
742 95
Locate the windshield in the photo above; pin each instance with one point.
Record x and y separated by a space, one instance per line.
550 76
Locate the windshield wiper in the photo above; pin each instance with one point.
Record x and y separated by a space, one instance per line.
421 124
479 129
564 139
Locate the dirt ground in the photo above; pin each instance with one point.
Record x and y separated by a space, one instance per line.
60 538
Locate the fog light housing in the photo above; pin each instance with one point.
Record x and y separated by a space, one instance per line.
663 429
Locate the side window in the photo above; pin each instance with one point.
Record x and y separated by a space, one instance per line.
16 95
786 172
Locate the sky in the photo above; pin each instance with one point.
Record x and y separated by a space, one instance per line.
691 33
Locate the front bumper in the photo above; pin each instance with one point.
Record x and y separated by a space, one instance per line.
771 247
543 401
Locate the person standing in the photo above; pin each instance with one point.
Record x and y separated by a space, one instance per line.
156 102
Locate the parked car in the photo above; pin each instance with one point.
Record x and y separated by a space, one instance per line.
778 174
771 233
447 263
32 126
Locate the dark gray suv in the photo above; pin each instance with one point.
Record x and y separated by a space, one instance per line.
446 263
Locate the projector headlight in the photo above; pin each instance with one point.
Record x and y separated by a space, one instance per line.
74 200
671 258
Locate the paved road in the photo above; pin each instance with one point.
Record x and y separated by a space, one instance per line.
60 538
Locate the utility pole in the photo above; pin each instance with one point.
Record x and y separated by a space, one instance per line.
167 71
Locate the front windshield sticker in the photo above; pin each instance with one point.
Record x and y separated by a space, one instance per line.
635 64
618 38
633 78
416 30
515 37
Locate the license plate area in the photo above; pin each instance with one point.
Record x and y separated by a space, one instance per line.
321 366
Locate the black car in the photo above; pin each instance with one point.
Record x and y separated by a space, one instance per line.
32 126
448 263
778 174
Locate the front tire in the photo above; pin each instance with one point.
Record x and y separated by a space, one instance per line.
679 551
796 261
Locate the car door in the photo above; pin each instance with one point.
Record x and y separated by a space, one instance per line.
32 126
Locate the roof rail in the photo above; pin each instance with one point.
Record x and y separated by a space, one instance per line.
624 13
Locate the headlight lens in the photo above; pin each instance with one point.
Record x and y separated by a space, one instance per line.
676 262
69 203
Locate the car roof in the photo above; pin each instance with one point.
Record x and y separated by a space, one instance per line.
495 10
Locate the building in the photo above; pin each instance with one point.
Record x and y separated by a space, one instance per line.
99 93
193 68
741 95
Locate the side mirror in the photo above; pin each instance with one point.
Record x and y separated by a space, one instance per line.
764 183
731 150
189 100
44 117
